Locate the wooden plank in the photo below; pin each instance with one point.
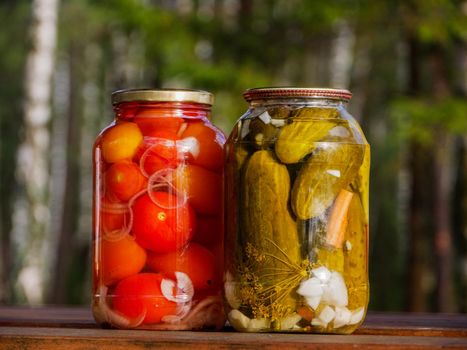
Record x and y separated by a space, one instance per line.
401 324
415 324
13 338
66 317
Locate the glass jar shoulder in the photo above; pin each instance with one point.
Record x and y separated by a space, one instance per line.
264 126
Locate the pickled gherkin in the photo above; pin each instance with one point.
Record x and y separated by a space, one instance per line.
330 169
296 214
298 138
271 239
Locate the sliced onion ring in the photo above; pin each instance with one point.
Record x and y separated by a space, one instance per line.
184 290
162 180
103 313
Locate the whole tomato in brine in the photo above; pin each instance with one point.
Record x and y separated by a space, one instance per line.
210 141
162 222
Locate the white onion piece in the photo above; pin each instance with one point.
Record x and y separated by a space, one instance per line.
322 273
104 312
310 288
327 315
334 172
189 145
184 288
265 117
335 292
317 322
357 316
342 317
278 122
313 302
245 128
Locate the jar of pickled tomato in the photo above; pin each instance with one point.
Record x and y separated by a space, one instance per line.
158 213
296 185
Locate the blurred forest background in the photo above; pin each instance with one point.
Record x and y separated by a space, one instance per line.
404 60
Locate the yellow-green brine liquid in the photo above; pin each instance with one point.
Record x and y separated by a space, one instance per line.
296 214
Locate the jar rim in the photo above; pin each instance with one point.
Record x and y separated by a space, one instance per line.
296 92
162 95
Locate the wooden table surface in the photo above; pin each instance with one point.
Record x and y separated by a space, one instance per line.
74 328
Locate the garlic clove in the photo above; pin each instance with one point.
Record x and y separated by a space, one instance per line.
238 320
290 321
257 324
357 316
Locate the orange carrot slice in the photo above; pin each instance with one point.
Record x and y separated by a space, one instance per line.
337 223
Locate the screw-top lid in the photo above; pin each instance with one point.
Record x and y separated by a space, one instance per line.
294 92
162 95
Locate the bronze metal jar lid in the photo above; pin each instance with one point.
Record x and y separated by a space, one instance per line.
296 92
162 95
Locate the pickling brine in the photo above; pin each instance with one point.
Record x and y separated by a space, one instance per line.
296 195
158 215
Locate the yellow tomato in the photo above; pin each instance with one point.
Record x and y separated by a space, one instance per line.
120 259
120 142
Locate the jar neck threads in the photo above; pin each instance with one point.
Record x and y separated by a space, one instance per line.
128 110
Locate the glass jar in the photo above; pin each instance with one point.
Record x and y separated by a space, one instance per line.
158 217
296 194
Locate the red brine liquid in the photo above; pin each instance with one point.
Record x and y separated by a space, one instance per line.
158 214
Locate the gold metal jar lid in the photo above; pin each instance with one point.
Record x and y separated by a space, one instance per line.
295 92
162 95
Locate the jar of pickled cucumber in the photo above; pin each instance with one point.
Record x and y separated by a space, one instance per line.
157 215
296 195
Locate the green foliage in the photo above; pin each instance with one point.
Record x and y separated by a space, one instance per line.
418 119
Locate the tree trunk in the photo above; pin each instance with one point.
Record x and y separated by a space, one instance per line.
442 205
33 160
417 221
71 199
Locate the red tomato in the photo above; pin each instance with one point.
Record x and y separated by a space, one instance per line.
159 229
149 120
124 179
121 258
141 293
203 187
120 142
211 142
163 151
209 230
194 260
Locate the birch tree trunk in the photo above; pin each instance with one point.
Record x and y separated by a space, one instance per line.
33 159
